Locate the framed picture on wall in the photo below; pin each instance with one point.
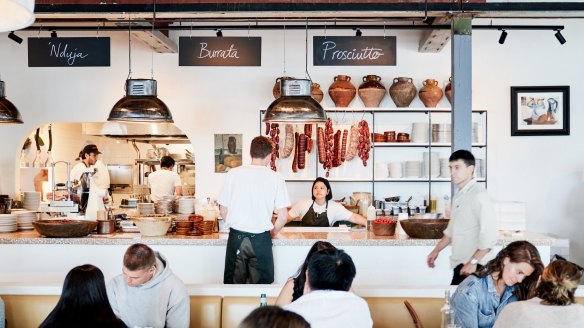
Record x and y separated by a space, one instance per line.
540 111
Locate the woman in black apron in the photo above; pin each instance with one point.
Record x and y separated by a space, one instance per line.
333 212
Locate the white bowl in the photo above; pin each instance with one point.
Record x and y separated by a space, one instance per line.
153 226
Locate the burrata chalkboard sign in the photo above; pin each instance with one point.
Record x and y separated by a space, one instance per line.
220 51
354 51
68 52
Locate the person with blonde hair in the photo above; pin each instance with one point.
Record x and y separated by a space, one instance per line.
554 306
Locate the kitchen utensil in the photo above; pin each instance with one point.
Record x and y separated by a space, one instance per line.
37 157
105 227
64 228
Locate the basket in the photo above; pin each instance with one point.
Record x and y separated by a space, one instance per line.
383 229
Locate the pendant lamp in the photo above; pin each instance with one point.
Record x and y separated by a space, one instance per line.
16 14
295 104
141 103
8 112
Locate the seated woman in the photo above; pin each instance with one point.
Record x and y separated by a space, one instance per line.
83 302
512 275
319 212
294 287
554 305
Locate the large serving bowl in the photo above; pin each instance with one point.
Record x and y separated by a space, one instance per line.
64 228
424 228
153 226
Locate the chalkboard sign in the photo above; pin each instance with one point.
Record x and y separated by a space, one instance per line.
219 51
68 52
354 51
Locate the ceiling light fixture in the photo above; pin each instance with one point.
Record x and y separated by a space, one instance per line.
560 37
141 103
8 112
16 14
14 37
295 104
219 33
54 34
503 37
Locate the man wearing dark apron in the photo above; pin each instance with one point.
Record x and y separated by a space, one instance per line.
248 215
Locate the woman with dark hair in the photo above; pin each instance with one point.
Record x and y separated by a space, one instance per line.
511 276
273 317
554 305
83 302
319 212
294 287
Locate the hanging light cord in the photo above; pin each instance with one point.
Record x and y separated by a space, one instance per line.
152 36
284 47
306 51
129 49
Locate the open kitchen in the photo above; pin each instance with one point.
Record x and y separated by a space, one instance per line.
386 156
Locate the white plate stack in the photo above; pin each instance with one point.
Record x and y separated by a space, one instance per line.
24 219
163 206
32 200
420 132
185 205
396 170
8 223
441 132
413 169
479 168
145 208
444 169
431 165
380 170
478 133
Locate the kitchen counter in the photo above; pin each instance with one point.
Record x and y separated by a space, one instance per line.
293 236
390 261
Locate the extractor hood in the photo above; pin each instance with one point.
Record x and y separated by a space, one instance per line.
152 133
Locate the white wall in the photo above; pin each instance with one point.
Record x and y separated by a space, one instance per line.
544 172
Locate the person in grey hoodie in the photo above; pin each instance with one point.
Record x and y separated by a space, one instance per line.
147 293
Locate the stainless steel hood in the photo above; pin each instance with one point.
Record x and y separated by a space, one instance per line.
152 133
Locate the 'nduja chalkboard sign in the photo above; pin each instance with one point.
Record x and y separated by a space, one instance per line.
68 52
219 51
354 51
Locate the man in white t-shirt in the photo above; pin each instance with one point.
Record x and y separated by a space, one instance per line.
327 301
164 182
249 196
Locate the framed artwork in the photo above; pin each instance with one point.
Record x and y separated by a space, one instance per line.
540 111
227 152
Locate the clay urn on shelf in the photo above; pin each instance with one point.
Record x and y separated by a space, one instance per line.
342 91
276 88
430 94
448 91
402 91
316 92
371 91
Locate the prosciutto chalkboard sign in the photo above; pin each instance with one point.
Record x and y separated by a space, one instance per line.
354 51
223 51
68 52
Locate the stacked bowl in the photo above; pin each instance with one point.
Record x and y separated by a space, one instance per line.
32 200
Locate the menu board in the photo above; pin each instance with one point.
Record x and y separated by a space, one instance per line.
354 50
68 52
220 51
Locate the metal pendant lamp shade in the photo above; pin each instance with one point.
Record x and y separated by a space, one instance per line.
8 112
295 104
16 14
141 104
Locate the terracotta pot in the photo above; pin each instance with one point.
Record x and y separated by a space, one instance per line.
448 91
371 91
342 91
430 94
276 88
402 91
316 92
